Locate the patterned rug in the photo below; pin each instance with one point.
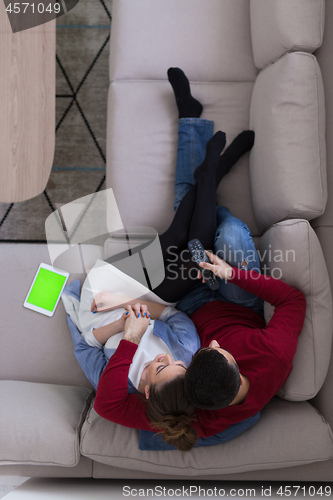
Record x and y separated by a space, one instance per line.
82 81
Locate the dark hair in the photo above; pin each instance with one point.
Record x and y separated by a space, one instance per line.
210 381
169 409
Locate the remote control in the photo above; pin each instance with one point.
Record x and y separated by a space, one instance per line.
199 255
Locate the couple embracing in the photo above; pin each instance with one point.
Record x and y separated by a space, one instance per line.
193 370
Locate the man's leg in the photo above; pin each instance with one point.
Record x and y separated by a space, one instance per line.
234 244
193 135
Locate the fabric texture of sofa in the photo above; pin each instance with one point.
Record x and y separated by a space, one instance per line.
259 64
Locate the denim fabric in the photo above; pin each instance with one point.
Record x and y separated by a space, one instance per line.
180 335
91 359
233 241
193 135
234 244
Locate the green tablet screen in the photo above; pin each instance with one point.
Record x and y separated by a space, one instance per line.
46 289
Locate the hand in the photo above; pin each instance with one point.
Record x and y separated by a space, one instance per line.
218 266
121 322
105 301
138 309
136 323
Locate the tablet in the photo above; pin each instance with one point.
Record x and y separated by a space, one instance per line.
46 289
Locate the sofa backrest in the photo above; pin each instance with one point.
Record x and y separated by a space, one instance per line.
288 161
281 26
210 40
288 170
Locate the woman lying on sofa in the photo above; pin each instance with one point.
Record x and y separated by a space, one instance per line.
172 333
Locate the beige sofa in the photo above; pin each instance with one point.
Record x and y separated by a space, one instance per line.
251 64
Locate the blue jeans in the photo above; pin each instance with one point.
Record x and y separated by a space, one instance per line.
233 240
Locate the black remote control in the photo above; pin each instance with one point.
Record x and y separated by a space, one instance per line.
199 255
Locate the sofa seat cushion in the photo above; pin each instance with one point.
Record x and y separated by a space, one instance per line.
290 250
280 26
287 434
143 175
34 347
210 40
40 423
288 159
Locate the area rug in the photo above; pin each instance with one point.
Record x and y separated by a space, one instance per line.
82 81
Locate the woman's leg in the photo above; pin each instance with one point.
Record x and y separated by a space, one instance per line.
239 146
190 219
192 139
180 271
176 232
188 212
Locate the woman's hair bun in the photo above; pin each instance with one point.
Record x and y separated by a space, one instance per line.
172 414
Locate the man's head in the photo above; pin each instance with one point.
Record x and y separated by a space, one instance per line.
212 380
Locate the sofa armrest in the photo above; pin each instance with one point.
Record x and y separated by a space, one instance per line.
323 400
280 26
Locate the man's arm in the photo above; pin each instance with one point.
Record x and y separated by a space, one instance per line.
112 400
287 321
286 324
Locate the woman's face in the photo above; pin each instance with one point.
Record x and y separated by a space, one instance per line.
164 368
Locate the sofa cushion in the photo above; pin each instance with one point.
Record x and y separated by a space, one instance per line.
210 40
143 175
280 26
40 423
291 251
149 440
288 159
287 434
34 347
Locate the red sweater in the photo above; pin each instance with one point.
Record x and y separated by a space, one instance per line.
264 355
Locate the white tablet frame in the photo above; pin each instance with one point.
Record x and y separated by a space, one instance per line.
40 309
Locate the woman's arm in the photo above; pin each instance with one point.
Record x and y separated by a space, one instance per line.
103 333
155 309
108 301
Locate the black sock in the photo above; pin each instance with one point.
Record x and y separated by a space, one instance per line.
239 146
213 150
188 107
